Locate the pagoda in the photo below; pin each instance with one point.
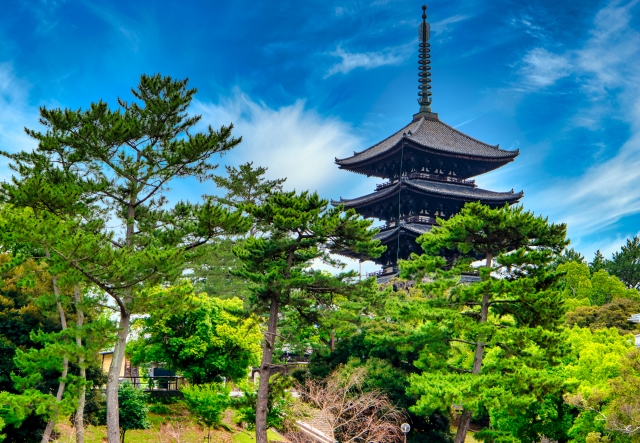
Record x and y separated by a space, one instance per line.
428 166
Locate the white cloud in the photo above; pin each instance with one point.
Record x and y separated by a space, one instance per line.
445 25
367 60
292 141
606 66
15 112
543 68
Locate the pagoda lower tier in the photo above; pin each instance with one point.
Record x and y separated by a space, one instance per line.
417 196
410 206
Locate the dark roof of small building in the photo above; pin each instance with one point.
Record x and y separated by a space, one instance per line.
433 134
450 190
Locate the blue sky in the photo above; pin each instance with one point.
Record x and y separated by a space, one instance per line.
307 81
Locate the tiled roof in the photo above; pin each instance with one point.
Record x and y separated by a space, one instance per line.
436 135
450 190
416 228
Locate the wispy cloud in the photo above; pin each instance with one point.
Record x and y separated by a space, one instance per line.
292 141
15 112
367 60
606 67
120 23
445 25
542 68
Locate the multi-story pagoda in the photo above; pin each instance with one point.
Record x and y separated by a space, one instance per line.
428 165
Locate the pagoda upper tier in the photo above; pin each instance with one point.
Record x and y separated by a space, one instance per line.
417 195
430 146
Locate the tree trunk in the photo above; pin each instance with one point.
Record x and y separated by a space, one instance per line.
113 417
79 417
465 418
265 373
46 435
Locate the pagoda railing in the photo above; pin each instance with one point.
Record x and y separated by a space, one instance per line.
436 177
422 219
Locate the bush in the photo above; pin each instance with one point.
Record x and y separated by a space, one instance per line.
279 405
133 409
207 402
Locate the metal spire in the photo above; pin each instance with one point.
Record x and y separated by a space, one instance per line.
424 65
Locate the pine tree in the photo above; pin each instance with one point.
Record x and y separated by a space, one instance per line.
96 184
626 264
598 263
487 343
302 228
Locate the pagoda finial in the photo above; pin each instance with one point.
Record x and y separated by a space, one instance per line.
424 65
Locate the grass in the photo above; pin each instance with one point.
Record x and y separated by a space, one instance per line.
176 426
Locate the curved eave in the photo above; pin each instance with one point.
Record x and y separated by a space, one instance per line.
459 145
442 190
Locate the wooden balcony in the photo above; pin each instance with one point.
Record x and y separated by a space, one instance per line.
427 176
422 219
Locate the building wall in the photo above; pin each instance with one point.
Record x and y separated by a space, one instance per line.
106 363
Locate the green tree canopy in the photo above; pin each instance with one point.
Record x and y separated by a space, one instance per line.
625 264
302 228
206 339
492 343
96 187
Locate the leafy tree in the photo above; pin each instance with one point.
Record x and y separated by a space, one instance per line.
550 417
22 314
133 409
282 410
611 315
623 412
591 367
96 183
207 402
207 339
302 228
626 264
489 343
583 288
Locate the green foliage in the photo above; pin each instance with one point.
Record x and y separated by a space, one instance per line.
599 262
612 315
494 344
302 228
247 186
625 264
206 339
96 183
207 402
594 358
388 360
594 363
211 271
550 417
280 403
584 288
133 409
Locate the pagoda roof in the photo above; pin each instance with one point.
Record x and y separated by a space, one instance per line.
446 190
432 134
415 228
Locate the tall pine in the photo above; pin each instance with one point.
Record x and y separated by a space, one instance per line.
98 180
493 343
302 229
